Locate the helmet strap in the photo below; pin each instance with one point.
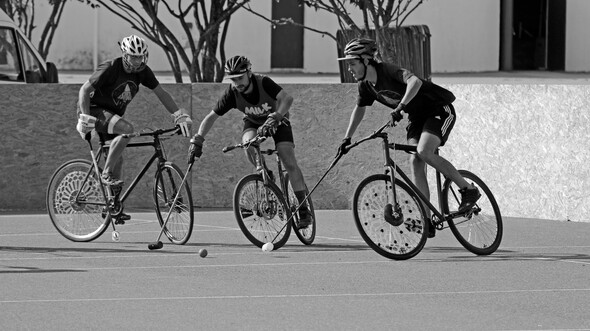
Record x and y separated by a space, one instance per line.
364 62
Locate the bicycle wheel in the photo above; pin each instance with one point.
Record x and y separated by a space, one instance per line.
76 203
305 235
167 183
395 239
261 211
480 230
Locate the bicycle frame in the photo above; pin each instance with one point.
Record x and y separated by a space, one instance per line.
102 151
392 167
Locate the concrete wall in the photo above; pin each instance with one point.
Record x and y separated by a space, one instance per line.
528 142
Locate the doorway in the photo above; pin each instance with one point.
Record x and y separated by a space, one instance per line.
287 40
537 39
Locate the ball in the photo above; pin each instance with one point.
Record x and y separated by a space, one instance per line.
268 247
202 252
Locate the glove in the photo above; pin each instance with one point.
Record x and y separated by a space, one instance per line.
85 125
196 148
396 114
269 128
183 121
342 148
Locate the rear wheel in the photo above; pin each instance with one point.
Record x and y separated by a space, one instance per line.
76 203
168 184
261 211
306 235
397 238
479 230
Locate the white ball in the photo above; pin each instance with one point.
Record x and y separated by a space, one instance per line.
115 236
268 247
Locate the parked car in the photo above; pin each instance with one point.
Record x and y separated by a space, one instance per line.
20 62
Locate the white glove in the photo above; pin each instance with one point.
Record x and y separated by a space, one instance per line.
85 124
183 121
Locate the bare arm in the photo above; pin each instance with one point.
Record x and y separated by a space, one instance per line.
167 100
355 119
414 85
207 123
84 97
284 102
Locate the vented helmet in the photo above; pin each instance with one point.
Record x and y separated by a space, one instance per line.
237 66
134 46
359 48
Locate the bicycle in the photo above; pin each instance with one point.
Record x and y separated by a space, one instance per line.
81 207
392 218
262 208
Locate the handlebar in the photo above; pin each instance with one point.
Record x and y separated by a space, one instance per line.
256 140
154 133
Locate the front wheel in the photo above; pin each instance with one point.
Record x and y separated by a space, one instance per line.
261 211
168 185
397 237
75 202
306 235
479 230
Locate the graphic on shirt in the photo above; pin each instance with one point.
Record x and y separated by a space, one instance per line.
124 93
263 109
388 98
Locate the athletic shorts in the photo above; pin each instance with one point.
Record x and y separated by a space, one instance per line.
439 125
284 133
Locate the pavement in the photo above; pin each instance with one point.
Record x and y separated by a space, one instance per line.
539 279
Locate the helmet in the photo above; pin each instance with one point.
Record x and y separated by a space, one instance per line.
134 46
359 48
237 66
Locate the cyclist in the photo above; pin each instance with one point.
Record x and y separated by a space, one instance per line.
431 114
266 111
104 97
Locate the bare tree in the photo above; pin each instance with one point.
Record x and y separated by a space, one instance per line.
203 54
22 13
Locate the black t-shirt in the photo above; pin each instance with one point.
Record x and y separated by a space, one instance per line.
256 105
391 86
114 88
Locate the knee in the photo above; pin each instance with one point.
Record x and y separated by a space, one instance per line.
416 161
424 155
124 127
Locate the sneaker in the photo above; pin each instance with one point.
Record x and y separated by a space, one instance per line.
469 197
304 218
108 179
121 218
431 229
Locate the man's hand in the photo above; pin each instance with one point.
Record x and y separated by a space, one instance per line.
397 114
196 148
85 124
269 128
342 148
184 121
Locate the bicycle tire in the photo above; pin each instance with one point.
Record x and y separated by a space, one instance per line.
83 220
394 242
305 235
179 227
260 219
480 232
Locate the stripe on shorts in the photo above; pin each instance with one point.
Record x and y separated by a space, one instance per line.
448 121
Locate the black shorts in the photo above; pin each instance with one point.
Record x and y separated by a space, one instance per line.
439 125
283 134
105 121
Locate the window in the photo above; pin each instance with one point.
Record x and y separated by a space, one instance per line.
33 68
9 64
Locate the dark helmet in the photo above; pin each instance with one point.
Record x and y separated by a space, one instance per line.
359 48
237 66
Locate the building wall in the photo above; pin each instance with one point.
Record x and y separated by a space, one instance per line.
465 36
525 141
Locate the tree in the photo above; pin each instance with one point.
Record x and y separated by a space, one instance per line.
205 57
22 13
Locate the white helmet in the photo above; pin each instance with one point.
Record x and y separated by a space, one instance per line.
134 46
